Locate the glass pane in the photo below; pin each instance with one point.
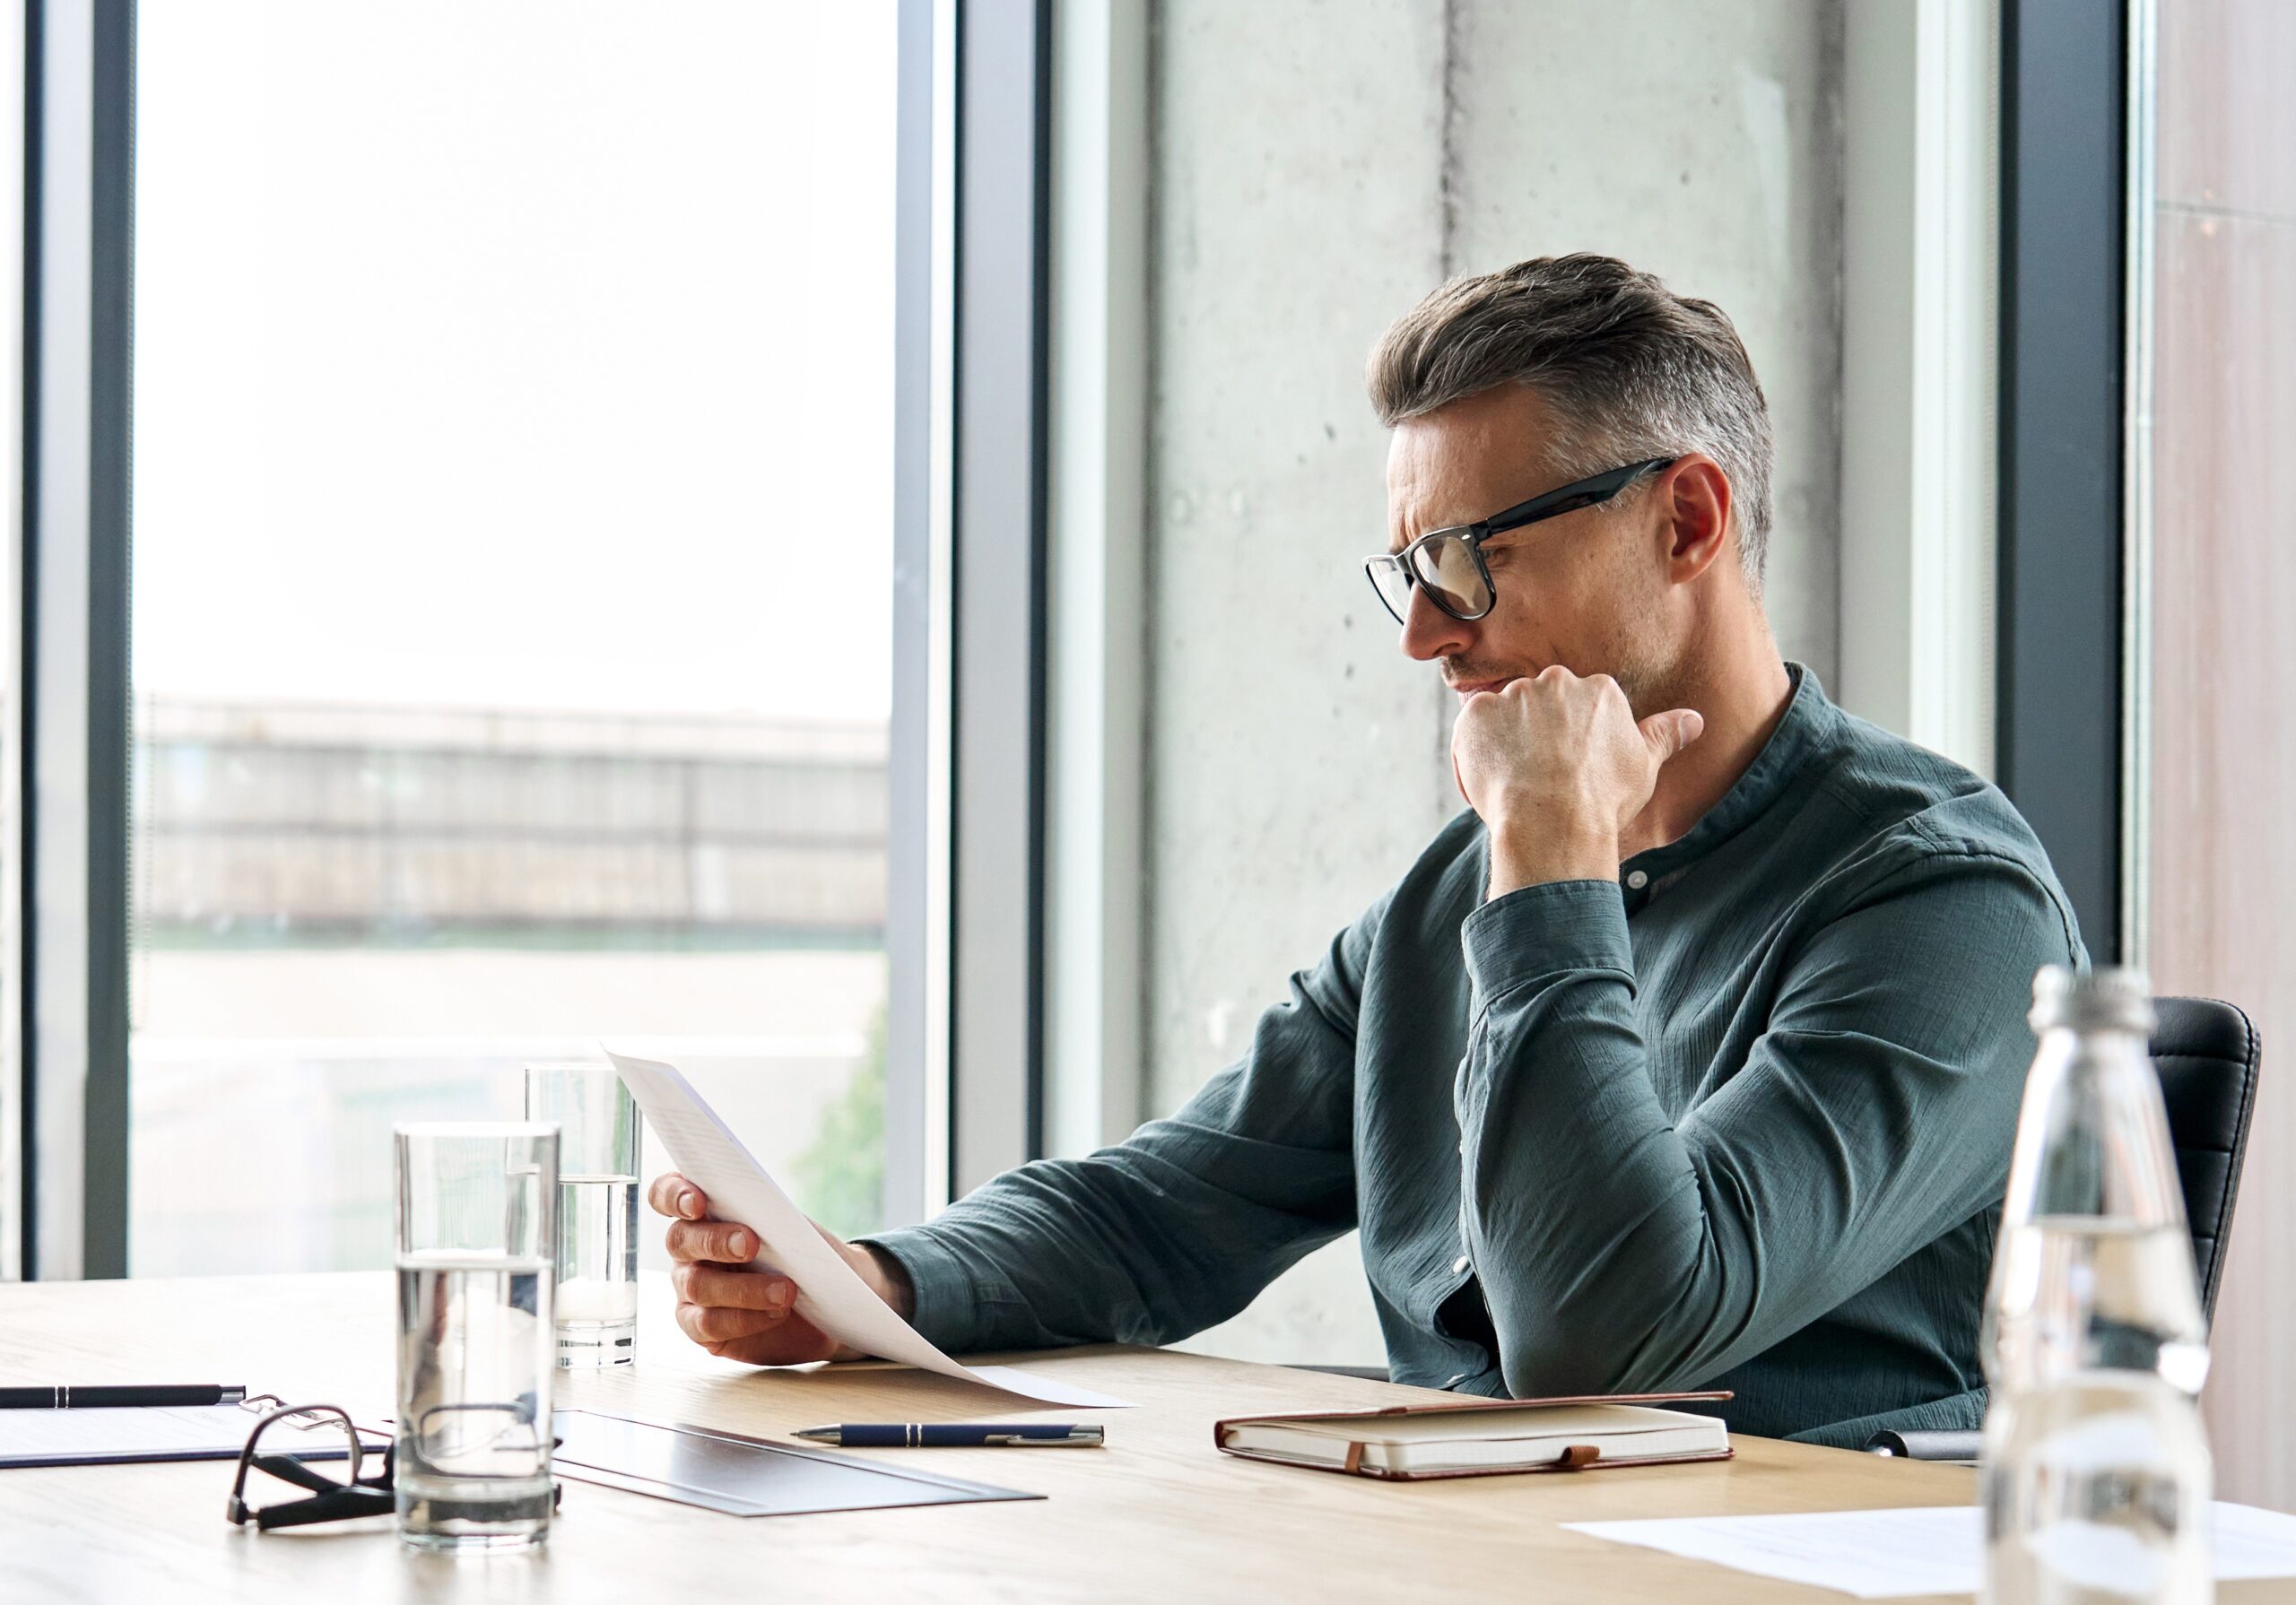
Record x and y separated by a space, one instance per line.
2219 874
503 373
11 437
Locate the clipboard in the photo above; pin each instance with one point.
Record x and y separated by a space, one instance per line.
106 1436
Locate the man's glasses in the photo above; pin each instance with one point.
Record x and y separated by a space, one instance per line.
285 1442
283 1445
1448 563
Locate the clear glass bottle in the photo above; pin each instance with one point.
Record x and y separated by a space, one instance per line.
2096 1475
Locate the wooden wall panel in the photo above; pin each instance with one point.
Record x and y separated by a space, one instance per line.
2223 882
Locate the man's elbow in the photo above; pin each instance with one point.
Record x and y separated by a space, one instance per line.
1563 1356
1557 1371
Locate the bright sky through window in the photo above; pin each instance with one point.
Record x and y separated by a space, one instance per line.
504 361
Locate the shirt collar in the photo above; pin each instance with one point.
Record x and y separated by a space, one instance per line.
1810 723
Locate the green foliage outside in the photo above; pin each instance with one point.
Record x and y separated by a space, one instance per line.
841 1177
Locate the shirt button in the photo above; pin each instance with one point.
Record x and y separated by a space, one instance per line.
1636 879
1460 1264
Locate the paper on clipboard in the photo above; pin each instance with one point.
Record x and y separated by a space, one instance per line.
829 1294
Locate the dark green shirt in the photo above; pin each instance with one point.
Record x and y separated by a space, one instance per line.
1740 1119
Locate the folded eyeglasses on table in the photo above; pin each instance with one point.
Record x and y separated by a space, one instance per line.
285 1445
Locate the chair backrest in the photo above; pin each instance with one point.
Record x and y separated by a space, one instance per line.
2208 1054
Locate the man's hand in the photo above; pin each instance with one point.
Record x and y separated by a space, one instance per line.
740 1314
1557 768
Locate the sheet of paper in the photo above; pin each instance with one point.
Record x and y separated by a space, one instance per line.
828 1294
1892 1554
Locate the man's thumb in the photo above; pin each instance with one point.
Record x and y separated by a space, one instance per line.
1669 732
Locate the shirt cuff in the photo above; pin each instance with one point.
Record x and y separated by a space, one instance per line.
948 1309
1557 927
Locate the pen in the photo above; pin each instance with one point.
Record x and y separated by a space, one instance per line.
953 1434
63 1397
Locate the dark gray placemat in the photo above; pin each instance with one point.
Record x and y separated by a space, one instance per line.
742 1476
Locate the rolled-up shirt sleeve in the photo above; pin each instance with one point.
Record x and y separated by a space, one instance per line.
1620 1250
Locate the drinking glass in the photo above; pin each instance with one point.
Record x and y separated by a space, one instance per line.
598 1133
477 1244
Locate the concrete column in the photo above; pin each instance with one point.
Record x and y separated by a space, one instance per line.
1701 140
1316 169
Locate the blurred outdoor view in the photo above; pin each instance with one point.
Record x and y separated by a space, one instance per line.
513 588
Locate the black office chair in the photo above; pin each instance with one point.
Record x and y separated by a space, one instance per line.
2207 1053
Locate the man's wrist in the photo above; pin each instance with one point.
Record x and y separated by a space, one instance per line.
891 1281
1528 854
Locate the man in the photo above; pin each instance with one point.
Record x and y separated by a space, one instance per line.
1688 1056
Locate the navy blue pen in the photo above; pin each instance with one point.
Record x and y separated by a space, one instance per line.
953 1434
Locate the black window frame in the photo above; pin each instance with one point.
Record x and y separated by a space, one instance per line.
2060 679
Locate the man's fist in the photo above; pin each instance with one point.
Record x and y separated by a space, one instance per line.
1557 767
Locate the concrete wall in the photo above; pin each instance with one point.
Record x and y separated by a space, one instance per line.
1317 169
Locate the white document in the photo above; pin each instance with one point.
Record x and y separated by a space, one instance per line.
828 1294
1891 1554
107 1435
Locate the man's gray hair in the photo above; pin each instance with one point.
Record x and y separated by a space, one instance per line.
1629 369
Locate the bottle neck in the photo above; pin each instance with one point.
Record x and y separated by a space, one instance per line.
2092 1139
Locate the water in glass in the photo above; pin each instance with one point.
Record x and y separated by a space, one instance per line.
597 1269
599 1132
475 1363
477 1258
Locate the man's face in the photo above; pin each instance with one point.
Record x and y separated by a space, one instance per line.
1586 590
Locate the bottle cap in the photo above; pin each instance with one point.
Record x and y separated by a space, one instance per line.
2113 999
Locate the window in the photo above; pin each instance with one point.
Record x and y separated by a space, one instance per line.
512 625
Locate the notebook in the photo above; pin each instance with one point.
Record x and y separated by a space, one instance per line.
1482 1438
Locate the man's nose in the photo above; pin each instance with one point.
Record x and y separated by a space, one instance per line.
1430 633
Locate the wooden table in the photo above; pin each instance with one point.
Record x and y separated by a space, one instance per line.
1157 1516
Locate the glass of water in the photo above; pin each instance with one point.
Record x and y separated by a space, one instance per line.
476 1253
598 1133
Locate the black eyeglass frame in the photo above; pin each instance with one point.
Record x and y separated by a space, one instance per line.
330 1500
1591 491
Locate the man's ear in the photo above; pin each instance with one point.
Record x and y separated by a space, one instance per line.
1694 501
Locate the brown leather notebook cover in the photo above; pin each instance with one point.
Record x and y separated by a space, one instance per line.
1576 1457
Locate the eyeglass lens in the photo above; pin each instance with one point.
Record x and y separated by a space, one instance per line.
1393 585
313 1431
1446 566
